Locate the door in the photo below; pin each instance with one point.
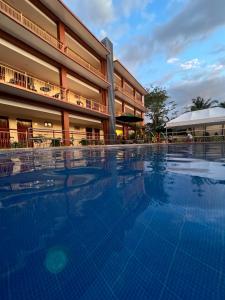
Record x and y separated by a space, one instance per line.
4 133
24 130
89 135
97 136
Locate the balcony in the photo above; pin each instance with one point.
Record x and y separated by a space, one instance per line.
25 82
32 84
80 60
85 102
18 17
125 92
128 97
36 29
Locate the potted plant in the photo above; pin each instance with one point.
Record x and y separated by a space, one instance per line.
84 142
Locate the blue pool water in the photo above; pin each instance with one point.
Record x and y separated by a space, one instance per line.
122 223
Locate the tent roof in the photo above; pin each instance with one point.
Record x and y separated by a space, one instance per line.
204 116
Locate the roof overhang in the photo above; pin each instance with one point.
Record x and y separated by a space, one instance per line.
119 67
73 22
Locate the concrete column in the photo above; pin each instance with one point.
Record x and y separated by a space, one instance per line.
105 99
105 127
104 67
64 82
61 34
111 96
65 128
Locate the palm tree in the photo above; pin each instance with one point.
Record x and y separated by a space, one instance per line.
199 103
222 104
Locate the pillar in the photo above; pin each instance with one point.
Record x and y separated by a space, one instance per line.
105 127
61 34
124 126
105 100
104 68
65 128
111 96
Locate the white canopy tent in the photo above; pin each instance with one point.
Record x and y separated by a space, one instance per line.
215 115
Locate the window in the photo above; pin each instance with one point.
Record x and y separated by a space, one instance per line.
89 133
97 134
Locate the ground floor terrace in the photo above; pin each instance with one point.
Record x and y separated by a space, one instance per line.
33 125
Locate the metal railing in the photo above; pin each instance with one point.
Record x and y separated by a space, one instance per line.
46 36
196 135
85 102
122 90
80 60
125 92
35 138
38 30
25 81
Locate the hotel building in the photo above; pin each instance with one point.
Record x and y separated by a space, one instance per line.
57 80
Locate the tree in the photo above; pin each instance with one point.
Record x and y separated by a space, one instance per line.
222 104
158 109
199 103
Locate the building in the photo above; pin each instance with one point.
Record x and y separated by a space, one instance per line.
56 79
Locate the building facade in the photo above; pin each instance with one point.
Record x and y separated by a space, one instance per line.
55 78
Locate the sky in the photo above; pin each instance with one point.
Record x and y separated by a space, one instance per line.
176 44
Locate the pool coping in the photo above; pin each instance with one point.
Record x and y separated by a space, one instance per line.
7 150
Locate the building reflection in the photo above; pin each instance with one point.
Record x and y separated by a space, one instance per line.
84 207
69 212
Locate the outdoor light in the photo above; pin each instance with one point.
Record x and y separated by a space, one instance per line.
47 124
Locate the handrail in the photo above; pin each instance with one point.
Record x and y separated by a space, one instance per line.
122 90
35 85
46 36
85 102
38 30
117 87
75 56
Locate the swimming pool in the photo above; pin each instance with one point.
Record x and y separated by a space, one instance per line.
143 222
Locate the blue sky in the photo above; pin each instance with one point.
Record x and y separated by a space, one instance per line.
177 44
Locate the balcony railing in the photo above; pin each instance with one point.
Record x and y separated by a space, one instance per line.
36 29
78 100
125 92
46 36
32 84
25 81
72 54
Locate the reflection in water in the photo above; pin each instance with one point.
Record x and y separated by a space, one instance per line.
81 215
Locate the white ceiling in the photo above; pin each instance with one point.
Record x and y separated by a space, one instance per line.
25 62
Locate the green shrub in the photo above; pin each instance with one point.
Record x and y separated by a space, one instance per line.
84 142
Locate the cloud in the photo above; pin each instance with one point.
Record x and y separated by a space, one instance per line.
96 12
196 21
190 64
212 87
172 60
216 67
128 6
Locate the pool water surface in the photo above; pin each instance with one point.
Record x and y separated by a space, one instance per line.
143 222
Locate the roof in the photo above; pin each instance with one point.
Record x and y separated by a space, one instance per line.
205 116
59 8
118 66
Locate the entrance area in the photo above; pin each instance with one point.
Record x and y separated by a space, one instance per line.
4 133
24 132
